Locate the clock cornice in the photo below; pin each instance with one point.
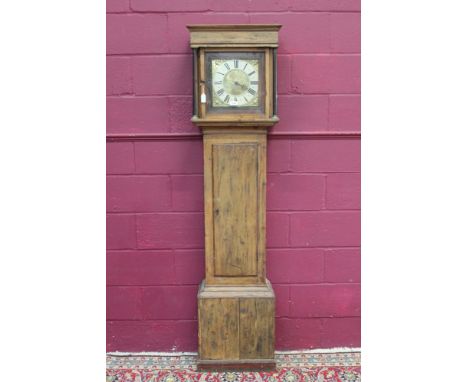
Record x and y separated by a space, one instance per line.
234 35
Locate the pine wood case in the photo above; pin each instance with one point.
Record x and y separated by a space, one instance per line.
236 302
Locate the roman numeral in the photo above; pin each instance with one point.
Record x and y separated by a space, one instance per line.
227 66
226 100
254 82
251 73
220 73
251 91
246 100
245 66
236 63
220 91
218 82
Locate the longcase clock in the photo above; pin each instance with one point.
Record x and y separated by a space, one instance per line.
234 105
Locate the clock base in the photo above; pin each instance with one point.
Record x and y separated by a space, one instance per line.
236 326
237 365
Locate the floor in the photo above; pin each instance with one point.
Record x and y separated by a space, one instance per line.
294 366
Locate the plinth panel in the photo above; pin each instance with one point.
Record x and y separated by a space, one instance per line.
256 320
220 326
236 326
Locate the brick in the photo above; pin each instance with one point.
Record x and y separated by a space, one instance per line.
295 265
138 193
137 336
326 74
117 6
338 160
132 34
163 75
178 36
343 191
277 234
343 265
326 155
281 300
323 229
187 192
120 231
140 268
295 192
345 113
170 302
170 231
284 74
118 76
137 115
297 333
325 5
120 158
278 155
169 157
334 300
301 32
170 6
341 332
302 113
123 303
180 114
345 32
250 6
189 266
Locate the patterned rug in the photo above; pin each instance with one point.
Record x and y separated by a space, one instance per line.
291 367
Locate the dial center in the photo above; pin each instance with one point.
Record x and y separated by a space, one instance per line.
236 82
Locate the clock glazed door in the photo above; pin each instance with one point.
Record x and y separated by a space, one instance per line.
236 83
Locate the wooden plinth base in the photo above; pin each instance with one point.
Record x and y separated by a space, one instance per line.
240 365
236 326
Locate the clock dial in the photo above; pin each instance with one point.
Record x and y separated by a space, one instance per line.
235 82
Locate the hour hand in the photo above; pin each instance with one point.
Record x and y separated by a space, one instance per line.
239 84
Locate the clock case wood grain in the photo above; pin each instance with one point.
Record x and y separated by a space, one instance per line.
236 302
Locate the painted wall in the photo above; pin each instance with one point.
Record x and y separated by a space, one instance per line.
155 186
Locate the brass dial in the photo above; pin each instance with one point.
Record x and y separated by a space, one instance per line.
235 83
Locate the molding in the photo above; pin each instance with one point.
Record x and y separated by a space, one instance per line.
238 123
198 136
237 27
152 137
305 351
316 135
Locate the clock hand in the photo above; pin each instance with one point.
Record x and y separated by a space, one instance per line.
244 87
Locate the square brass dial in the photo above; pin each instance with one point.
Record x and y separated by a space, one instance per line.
235 82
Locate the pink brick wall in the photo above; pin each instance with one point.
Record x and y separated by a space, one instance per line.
155 185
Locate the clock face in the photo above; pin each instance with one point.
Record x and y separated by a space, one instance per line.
235 82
